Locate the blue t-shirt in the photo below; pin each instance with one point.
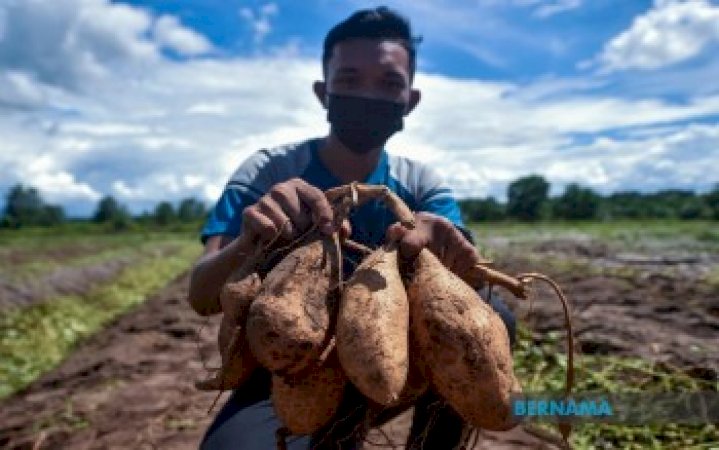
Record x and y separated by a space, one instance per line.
413 182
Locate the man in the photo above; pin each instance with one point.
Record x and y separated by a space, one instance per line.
368 66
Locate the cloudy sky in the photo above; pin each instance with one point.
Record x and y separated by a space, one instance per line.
149 100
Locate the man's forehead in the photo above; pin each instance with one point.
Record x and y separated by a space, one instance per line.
363 53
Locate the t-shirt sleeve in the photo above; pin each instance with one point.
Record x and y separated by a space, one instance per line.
435 196
226 217
249 182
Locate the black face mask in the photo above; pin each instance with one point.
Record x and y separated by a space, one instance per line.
363 124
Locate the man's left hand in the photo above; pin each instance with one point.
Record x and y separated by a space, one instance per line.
440 236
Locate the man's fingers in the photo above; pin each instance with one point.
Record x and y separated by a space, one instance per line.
468 257
456 250
451 256
345 229
412 243
259 224
274 212
320 207
395 232
288 199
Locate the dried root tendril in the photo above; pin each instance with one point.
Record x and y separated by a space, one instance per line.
360 194
356 247
564 427
520 287
326 435
281 436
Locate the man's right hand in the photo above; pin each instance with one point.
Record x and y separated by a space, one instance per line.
289 209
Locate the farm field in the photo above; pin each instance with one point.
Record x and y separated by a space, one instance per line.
98 348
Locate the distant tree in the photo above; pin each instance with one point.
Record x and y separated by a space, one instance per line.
693 208
576 203
711 199
52 215
526 197
25 207
109 210
164 213
478 210
113 214
191 209
669 203
627 205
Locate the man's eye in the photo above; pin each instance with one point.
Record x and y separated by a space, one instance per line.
392 84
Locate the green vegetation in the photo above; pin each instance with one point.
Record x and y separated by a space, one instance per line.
24 207
625 235
23 258
542 368
528 200
36 338
577 203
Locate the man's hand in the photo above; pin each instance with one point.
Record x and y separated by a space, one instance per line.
440 236
289 208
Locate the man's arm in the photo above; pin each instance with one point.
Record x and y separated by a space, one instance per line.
439 223
288 209
440 236
222 255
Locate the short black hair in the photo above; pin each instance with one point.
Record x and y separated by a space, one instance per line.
378 23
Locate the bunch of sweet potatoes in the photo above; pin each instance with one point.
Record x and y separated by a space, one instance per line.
393 330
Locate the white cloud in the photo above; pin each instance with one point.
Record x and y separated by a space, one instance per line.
216 109
3 24
688 157
557 7
72 43
103 129
55 184
20 90
671 32
455 24
260 21
169 33
180 128
548 8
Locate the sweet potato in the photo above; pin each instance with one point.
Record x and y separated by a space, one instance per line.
236 297
308 402
463 343
238 363
289 321
373 328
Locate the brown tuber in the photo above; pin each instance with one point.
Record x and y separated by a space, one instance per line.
289 321
373 328
463 344
238 363
306 403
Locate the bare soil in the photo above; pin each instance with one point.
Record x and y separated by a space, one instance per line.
131 385
657 307
68 280
63 281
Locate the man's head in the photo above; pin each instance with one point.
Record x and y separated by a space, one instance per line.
374 24
368 64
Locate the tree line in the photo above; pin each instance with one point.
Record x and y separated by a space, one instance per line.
528 200
25 207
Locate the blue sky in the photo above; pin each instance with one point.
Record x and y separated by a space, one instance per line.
151 100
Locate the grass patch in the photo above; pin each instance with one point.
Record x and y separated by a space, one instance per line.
540 368
37 338
38 267
627 234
